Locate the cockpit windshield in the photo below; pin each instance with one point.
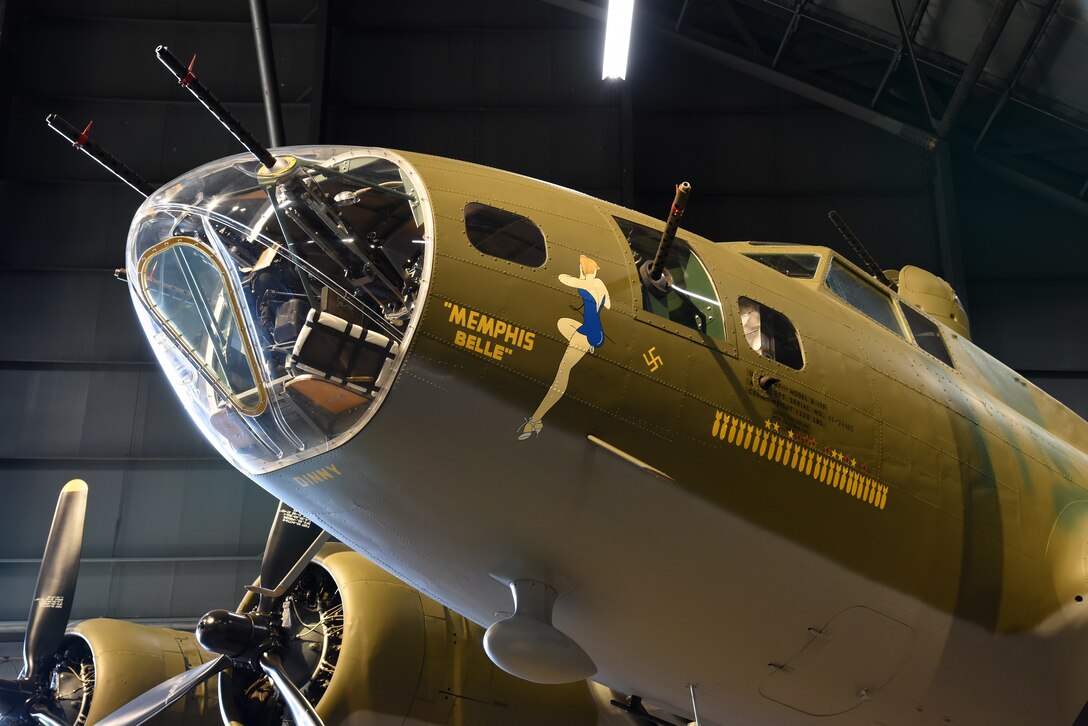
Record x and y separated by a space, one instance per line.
279 300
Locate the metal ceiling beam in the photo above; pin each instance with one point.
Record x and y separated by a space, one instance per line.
742 29
974 69
683 14
908 45
1022 62
795 21
906 131
915 22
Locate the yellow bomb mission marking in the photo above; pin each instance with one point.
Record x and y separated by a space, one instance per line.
487 335
831 468
317 476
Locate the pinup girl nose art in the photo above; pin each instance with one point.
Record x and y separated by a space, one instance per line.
581 338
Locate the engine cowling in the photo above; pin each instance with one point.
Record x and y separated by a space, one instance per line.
103 664
386 654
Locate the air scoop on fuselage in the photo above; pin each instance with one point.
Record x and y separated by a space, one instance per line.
280 301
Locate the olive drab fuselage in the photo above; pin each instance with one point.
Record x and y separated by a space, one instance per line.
869 536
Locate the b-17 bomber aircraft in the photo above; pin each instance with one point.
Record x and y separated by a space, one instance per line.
747 482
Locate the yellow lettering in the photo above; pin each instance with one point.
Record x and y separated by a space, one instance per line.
459 338
300 481
334 470
487 325
529 338
512 333
473 318
457 315
500 328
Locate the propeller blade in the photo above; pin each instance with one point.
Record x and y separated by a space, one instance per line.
152 702
302 712
52 602
292 543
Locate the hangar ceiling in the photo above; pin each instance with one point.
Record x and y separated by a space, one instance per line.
172 530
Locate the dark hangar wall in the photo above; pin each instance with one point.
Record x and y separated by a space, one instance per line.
514 84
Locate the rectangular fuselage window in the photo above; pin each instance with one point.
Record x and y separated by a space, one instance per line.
927 335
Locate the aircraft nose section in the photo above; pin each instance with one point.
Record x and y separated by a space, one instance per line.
280 302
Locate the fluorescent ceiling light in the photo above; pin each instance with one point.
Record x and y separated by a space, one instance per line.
617 37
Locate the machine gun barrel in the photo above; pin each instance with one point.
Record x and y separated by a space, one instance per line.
859 248
81 141
188 80
656 266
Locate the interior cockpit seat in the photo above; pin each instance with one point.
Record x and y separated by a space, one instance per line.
337 365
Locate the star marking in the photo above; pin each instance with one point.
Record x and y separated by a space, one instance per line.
790 434
775 426
767 423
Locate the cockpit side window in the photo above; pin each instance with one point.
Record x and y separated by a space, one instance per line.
505 235
801 266
691 300
770 333
927 335
863 296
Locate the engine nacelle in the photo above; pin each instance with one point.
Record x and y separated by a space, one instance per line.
103 664
389 655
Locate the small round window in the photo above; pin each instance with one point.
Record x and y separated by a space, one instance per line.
505 235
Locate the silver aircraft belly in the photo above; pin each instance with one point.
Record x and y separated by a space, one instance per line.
692 594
